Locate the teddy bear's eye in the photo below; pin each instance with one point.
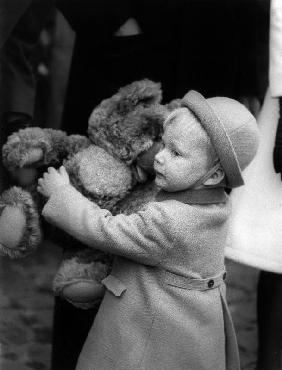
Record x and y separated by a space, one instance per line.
147 100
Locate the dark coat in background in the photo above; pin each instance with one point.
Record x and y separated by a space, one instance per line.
210 46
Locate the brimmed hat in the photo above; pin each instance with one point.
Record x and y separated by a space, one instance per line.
232 129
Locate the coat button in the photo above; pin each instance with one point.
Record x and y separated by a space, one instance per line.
210 283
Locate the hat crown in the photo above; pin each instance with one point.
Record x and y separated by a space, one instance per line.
232 129
240 125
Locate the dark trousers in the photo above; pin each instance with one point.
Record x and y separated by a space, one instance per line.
70 328
269 309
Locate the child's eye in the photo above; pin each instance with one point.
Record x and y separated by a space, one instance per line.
175 153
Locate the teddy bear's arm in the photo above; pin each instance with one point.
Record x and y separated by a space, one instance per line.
34 146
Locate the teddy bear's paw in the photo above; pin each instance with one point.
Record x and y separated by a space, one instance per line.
83 294
79 282
34 146
19 224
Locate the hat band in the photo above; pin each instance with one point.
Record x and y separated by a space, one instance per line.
218 135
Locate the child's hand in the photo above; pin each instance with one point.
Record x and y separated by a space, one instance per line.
52 180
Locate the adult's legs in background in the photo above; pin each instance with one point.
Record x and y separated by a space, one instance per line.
71 326
269 309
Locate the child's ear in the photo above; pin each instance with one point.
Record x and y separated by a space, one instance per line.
215 178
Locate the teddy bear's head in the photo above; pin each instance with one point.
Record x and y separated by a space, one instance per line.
123 130
129 122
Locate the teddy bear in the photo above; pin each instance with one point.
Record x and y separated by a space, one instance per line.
112 167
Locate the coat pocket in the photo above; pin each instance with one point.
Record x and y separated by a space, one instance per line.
114 285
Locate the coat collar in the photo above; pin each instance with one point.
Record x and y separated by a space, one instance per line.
192 196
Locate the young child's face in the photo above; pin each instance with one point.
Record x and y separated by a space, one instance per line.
185 156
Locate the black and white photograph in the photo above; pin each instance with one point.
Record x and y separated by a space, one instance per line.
140 185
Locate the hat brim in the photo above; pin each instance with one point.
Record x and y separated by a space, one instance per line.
216 131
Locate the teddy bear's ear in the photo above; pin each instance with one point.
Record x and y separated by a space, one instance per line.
143 93
174 104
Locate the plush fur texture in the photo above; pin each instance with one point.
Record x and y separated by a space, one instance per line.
102 167
80 266
52 143
75 144
99 176
32 236
141 122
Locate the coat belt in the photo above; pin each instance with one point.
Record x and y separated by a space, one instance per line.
190 283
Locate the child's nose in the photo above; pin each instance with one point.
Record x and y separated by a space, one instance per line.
159 157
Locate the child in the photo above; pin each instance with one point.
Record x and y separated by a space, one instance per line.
165 305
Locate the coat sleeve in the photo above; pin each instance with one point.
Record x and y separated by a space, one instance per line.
145 236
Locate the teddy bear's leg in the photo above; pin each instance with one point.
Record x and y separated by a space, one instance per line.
12 226
78 279
20 232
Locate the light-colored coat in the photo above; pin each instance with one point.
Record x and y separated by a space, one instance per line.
165 303
275 48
